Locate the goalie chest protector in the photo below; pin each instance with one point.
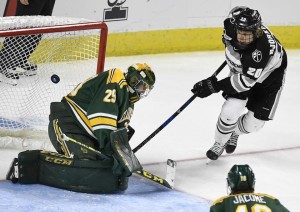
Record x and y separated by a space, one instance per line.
53 169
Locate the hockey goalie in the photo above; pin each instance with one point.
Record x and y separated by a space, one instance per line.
89 129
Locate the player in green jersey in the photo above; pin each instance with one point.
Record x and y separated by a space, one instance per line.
88 129
98 106
241 198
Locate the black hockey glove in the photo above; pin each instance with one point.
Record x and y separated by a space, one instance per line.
206 87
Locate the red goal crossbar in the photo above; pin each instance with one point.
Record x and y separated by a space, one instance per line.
65 28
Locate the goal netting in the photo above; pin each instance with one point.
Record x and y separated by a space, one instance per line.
42 58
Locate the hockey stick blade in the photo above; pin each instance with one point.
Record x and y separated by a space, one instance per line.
154 178
170 176
171 170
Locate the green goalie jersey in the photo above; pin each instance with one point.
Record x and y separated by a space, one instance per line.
101 104
247 202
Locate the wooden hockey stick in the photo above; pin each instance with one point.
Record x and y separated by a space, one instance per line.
168 182
175 114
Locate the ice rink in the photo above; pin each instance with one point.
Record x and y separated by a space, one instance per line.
273 153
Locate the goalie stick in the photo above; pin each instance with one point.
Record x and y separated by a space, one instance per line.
171 166
170 176
175 114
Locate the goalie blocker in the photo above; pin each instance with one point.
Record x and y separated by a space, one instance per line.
56 170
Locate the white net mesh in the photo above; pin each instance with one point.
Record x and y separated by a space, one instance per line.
17 22
29 64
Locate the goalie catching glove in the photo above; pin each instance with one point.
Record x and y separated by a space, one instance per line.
206 87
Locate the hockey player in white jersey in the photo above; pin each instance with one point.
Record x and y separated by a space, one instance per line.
257 63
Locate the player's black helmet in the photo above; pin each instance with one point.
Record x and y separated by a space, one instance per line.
240 178
247 20
140 79
234 12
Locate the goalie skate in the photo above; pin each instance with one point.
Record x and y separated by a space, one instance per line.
25 69
13 173
9 78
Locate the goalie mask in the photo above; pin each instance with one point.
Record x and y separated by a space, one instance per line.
248 27
240 178
140 79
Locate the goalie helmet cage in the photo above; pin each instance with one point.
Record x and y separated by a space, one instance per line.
71 48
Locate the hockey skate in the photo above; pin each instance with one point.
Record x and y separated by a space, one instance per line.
8 77
12 173
29 69
232 143
215 151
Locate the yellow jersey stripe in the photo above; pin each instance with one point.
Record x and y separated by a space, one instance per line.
116 76
110 75
122 83
103 121
94 115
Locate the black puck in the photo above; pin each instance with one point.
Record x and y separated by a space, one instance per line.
55 79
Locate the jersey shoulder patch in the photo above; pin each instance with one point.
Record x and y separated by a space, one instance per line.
115 75
258 56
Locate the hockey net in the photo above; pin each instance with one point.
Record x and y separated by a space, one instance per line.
35 53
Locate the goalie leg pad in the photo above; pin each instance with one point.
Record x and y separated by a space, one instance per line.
123 154
28 166
56 170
